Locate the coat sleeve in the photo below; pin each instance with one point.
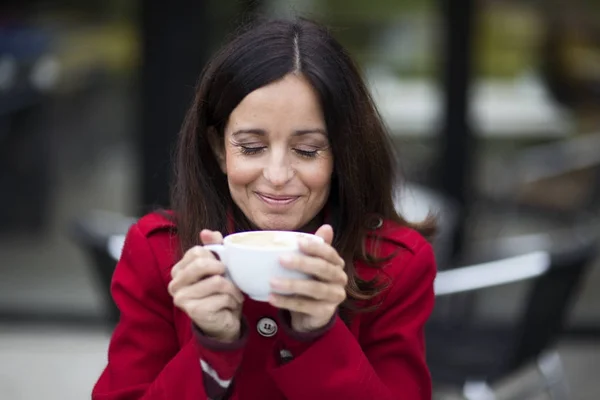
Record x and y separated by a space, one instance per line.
145 359
386 363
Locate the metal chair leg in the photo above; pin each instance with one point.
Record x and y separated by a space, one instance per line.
555 382
478 390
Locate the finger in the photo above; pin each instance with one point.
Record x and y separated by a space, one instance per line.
219 302
215 285
208 308
210 237
321 250
220 285
195 271
190 255
235 292
326 233
311 289
317 267
302 305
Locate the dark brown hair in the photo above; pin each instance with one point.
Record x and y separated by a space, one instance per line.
364 176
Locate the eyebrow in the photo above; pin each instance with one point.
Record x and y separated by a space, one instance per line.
262 132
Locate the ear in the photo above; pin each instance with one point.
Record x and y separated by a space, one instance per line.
218 147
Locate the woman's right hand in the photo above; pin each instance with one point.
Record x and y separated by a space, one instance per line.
199 288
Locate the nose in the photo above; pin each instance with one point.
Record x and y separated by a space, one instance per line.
278 170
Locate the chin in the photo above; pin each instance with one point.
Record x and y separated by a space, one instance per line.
278 223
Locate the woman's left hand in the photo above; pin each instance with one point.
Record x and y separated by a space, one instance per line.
312 302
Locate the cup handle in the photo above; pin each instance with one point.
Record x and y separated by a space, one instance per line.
219 251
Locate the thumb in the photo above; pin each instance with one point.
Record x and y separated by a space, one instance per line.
326 233
210 237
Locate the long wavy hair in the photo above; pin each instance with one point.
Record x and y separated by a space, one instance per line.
365 168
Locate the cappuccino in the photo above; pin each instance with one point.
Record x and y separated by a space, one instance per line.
266 239
252 259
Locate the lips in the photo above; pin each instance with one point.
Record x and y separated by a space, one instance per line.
277 200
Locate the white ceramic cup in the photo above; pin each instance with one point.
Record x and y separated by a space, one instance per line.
252 259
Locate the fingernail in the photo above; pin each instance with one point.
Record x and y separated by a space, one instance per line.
286 258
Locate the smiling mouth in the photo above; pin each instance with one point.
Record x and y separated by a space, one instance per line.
277 200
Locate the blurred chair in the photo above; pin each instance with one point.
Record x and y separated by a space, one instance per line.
562 176
473 354
550 184
101 235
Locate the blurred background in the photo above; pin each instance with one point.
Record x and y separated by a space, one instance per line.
494 107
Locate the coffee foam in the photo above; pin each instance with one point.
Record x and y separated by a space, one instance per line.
266 239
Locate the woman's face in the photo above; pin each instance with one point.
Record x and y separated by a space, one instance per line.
277 156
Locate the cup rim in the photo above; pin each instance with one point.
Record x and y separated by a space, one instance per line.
227 240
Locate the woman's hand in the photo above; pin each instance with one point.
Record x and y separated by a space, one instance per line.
198 288
312 302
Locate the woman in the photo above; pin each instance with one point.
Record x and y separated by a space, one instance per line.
282 135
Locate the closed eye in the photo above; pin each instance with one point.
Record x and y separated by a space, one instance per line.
306 153
252 150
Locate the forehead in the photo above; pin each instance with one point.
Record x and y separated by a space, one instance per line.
288 101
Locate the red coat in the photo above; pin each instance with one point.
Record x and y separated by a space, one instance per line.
155 353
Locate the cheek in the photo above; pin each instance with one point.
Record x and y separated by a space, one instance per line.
317 177
241 171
